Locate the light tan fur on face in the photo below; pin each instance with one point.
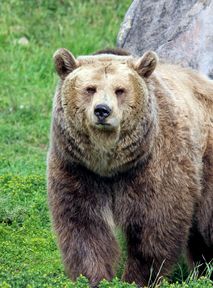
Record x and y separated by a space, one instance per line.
106 75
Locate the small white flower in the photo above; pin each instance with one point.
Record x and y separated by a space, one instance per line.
23 41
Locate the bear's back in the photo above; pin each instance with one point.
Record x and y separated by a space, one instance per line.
185 97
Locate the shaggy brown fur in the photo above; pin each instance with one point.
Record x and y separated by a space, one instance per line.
113 51
147 169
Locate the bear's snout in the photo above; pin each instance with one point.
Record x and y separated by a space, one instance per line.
102 111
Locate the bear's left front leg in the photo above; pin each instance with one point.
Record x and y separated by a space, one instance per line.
156 232
150 257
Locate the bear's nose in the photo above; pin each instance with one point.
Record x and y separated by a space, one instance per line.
102 111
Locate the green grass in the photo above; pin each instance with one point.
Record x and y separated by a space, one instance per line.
28 254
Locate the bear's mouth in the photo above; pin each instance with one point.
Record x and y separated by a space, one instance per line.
110 124
103 125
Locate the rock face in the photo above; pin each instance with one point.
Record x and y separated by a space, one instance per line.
178 30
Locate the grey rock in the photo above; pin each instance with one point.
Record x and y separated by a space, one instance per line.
180 31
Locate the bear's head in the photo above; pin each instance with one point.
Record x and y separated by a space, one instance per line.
103 96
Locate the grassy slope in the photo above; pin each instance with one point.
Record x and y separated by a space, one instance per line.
28 252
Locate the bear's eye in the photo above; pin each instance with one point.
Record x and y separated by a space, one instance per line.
119 91
91 90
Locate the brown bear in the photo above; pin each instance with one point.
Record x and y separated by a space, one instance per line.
132 146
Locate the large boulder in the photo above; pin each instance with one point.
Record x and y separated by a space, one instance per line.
180 31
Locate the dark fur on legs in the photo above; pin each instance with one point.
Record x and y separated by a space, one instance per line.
85 238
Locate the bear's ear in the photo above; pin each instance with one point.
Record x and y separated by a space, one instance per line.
65 62
146 64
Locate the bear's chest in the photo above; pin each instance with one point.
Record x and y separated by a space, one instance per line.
108 163
101 161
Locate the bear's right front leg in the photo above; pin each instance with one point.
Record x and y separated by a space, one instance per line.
87 244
